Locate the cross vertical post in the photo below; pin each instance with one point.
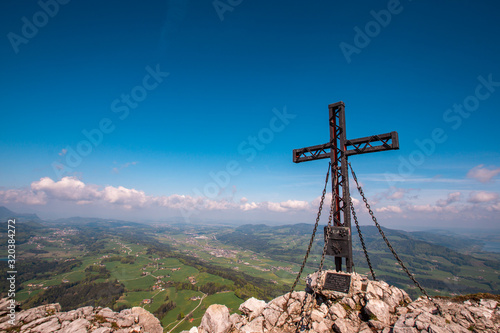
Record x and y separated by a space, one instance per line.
338 237
340 183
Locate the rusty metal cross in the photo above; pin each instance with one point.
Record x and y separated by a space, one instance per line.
338 237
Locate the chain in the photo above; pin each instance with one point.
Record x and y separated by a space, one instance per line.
410 275
362 241
330 218
314 231
301 322
305 320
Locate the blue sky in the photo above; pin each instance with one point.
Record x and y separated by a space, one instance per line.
192 108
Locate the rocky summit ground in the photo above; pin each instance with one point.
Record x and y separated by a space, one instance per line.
49 318
370 306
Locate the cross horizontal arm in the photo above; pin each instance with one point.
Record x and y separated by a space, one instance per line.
369 144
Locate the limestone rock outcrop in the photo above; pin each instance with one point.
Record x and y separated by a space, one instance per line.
370 306
49 318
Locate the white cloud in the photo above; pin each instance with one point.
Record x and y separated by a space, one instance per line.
249 206
176 201
393 194
424 208
275 207
63 152
389 209
219 205
398 194
284 206
124 196
482 196
295 204
452 197
68 188
316 201
483 174
24 196
495 207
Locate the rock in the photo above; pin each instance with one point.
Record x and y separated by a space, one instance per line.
102 330
422 322
436 329
374 290
401 310
49 326
294 308
323 327
86 311
38 312
147 320
106 313
252 307
338 311
122 330
125 322
468 315
282 301
235 319
376 324
77 326
272 316
215 320
405 330
36 322
378 309
370 306
481 312
317 315
342 326
349 302
68 316
365 328
255 326
48 318
489 303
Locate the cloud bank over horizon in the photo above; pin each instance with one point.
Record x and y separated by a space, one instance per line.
396 205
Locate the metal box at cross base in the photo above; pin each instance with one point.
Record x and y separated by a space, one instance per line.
337 241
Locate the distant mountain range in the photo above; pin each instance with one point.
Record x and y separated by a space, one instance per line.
6 213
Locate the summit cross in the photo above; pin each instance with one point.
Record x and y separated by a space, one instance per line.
338 237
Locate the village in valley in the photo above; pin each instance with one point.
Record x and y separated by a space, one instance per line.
150 279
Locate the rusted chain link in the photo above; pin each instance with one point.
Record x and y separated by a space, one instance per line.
330 218
362 241
314 231
307 253
305 321
410 275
